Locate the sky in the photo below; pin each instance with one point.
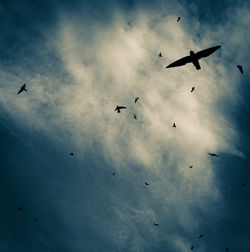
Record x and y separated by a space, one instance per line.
79 60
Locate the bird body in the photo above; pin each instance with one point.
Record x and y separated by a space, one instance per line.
20 208
160 55
156 224
178 19
136 99
240 68
71 154
174 125
194 58
135 116
201 235
213 154
191 166
192 247
146 183
118 108
192 90
22 88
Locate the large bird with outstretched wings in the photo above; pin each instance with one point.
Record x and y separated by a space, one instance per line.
194 58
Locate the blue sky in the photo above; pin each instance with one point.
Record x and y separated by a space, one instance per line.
80 60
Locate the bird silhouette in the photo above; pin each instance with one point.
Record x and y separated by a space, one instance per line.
192 247
22 88
178 19
113 173
174 126
194 58
20 208
156 224
192 90
136 99
240 68
160 55
227 249
135 116
191 166
243 184
213 154
36 219
118 108
201 235
146 183
71 154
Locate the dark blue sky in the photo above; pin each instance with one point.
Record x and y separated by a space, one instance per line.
61 50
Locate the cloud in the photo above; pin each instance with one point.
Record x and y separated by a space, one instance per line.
103 66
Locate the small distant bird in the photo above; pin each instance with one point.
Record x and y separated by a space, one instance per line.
23 88
213 154
146 183
113 173
118 108
71 154
174 126
136 99
160 55
243 184
194 58
227 249
135 116
201 235
191 166
20 208
178 19
156 224
192 247
192 90
240 68
36 219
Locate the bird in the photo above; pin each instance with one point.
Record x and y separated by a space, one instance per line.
213 154
118 108
146 183
178 19
192 247
156 224
160 55
22 88
240 68
71 154
194 58
243 184
36 219
227 249
136 99
20 208
191 166
113 173
174 126
201 235
193 88
135 116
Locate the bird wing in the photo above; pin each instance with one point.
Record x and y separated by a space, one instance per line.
20 91
207 52
122 107
180 62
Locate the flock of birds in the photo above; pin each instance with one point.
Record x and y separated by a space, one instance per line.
192 58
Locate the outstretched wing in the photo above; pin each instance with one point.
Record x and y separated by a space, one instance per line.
207 52
180 62
122 107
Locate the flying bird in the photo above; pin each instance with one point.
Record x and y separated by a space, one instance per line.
146 183
113 173
213 154
227 249
136 99
178 19
192 90
192 247
201 235
174 126
156 224
243 184
160 55
135 116
118 108
36 219
22 88
20 208
71 154
240 68
194 58
191 166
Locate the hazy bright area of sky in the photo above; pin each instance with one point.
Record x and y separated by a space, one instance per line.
82 59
